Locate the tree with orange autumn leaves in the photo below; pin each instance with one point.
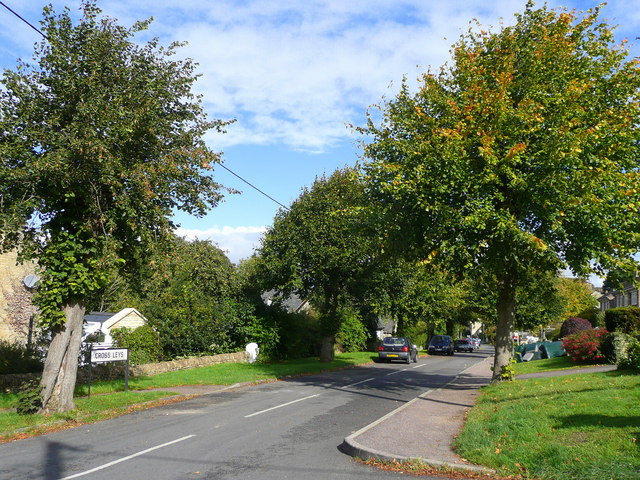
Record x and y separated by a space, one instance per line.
519 157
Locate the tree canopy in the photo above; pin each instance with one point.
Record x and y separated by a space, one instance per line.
190 296
519 157
100 142
320 248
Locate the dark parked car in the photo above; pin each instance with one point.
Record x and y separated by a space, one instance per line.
463 345
398 348
441 344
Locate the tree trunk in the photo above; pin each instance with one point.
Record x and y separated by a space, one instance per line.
61 365
504 329
327 348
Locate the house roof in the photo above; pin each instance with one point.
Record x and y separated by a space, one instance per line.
292 303
387 325
108 319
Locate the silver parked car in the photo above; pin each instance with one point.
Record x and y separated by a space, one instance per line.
398 348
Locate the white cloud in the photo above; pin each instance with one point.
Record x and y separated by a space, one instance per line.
237 242
294 73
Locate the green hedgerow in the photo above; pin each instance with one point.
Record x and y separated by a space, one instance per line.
17 358
623 319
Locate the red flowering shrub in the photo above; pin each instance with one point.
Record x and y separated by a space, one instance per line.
585 346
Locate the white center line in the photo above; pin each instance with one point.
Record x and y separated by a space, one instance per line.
283 405
358 383
107 465
398 371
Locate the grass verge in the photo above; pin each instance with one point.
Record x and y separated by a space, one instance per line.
557 363
101 407
575 427
231 373
108 399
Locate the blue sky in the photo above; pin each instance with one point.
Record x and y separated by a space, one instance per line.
294 75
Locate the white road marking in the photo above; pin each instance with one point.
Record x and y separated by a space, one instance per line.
398 371
358 383
124 459
280 406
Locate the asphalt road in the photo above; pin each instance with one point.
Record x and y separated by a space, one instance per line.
287 429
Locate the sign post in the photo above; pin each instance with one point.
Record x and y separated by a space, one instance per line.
104 355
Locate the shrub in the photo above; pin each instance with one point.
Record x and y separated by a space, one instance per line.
615 346
508 371
143 344
585 346
598 320
554 335
352 336
16 358
623 319
29 398
299 333
574 325
632 359
264 332
95 337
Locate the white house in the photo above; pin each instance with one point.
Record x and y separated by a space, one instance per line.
104 322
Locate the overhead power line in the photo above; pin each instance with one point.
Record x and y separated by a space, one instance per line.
253 186
226 168
25 21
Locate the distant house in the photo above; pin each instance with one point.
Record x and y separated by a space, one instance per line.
626 297
98 323
292 304
385 327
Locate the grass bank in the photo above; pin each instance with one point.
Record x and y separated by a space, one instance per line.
108 399
231 373
575 427
558 363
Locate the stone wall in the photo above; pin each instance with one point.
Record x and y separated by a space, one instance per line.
114 370
174 365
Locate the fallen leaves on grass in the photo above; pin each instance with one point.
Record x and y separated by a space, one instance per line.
420 469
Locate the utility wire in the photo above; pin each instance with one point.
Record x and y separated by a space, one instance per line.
253 186
226 168
17 15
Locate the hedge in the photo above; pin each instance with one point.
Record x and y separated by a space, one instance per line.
623 319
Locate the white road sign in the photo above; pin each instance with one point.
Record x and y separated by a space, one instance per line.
109 355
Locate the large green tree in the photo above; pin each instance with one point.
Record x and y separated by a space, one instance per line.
577 299
100 143
519 157
190 295
321 248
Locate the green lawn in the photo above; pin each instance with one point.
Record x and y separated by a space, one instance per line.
231 373
575 427
558 363
109 400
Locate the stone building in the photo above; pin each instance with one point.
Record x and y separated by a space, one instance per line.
15 299
626 297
